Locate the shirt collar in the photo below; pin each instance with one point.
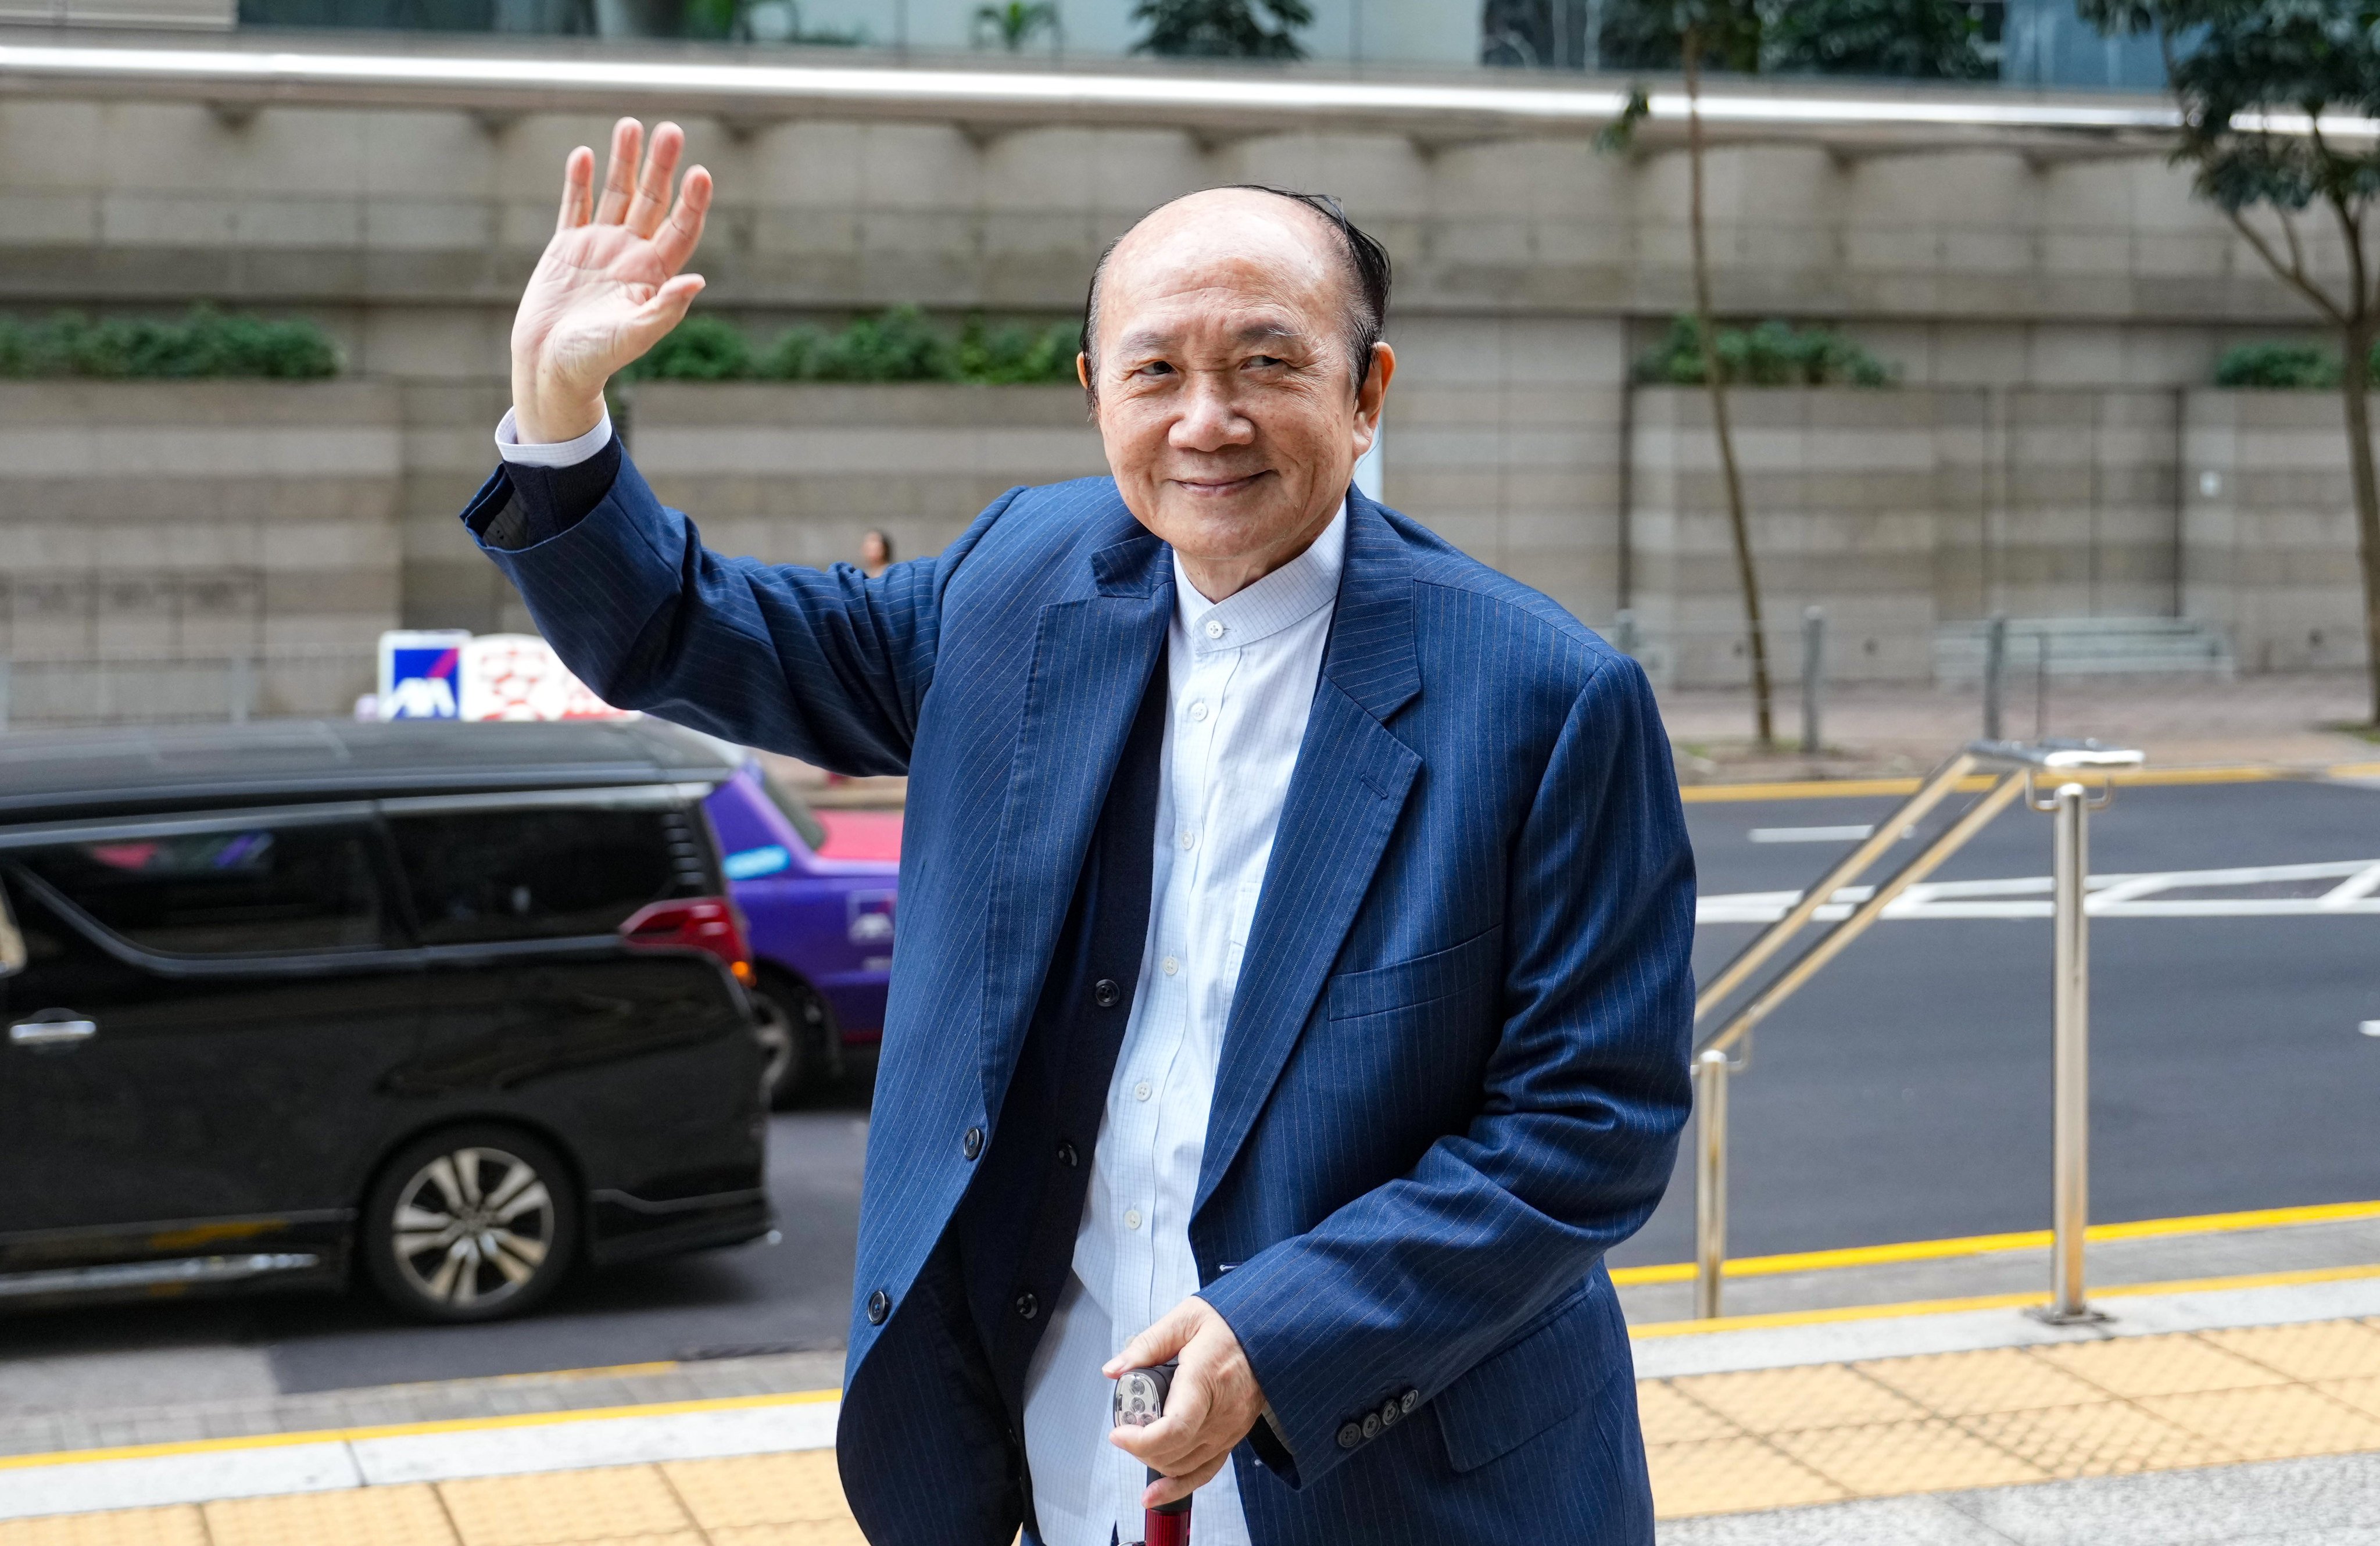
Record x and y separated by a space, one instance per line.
1288 596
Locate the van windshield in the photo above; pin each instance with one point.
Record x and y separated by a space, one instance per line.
792 807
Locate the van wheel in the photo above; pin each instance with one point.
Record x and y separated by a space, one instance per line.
473 1223
796 1034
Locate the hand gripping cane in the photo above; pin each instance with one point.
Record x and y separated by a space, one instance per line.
1139 1401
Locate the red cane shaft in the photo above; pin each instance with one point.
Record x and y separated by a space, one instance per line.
1168 1527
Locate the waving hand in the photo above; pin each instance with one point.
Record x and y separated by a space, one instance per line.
607 286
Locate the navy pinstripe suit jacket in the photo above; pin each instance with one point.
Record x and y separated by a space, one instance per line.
1455 1068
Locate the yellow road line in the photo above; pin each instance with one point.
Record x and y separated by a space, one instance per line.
1854 788
1978 1245
407 1430
1992 1301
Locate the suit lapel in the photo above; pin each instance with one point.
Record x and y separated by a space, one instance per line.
1349 788
1091 660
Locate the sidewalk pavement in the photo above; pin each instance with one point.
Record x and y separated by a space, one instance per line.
2244 1408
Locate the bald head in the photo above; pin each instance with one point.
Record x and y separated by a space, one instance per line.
1307 234
1232 352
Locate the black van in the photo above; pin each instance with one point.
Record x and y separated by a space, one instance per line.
453 1007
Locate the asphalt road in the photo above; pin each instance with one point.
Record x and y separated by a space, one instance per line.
1904 1095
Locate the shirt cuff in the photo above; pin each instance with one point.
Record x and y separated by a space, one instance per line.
566 453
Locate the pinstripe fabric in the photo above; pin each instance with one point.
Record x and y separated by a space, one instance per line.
1454 1067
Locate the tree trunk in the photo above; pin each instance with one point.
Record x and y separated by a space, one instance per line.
2354 385
1708 325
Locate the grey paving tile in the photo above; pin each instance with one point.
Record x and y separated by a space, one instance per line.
2217 1505
1870 1522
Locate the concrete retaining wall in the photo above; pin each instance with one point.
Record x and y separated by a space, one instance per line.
218 521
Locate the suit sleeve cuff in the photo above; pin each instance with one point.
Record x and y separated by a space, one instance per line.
560 454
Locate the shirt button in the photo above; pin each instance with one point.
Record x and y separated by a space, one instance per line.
1066 1153
1189 839
1199 711
1350 1436
1027 1307
972 1145
879 1305
1141 1090
1215 627
1172 965
1132 1218
1105 993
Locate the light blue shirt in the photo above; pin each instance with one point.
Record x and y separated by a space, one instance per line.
1241 678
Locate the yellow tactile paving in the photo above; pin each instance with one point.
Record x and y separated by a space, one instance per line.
2276 1422
1788 1400
2324 1350
178 1526
563 1507
1931 1454
1717 1443
1961 1384
1668 1417
2145 1366
1724 1476
760 1489
2110 1438
368 1516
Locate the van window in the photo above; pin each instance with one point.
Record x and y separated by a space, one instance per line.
794 810
536 873
249 891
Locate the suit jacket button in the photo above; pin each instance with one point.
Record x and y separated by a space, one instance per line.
1105 993
879 1305
1408 1401
972 1144
1350 1436
1390 1413
1371 1425
1066 1153
1027 1307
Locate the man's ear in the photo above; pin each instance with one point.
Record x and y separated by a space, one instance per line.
1373 392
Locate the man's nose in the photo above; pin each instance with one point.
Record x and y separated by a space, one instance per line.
1210 419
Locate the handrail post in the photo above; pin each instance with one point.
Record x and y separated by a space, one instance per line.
1995 673
1710 1181
2070 1146
1813 676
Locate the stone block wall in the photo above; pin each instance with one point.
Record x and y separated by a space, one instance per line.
2269 540
203 522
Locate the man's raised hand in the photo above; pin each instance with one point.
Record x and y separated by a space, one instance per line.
607 286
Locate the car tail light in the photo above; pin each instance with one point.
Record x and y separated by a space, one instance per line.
707 923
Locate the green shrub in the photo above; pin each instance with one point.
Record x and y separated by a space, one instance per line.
899 345
699 348
1773 354
1017 356
2276 367
205 343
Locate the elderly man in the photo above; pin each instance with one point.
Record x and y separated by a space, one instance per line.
1293 977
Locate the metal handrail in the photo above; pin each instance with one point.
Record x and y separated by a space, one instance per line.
2017 766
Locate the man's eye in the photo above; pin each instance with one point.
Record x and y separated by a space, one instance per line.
1155 368
1265 361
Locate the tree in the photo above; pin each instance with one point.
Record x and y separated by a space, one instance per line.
1731 30
1012 25
1222 29
1909 40
2254 86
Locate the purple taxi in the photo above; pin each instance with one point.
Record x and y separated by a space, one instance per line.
817 892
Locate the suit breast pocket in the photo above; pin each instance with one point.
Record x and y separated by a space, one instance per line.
1463 973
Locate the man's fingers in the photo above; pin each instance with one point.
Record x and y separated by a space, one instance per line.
619 177
1165 1490
666 311
578 183
1161 1342
653 199
674 243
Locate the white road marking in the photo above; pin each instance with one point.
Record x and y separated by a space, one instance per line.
2111 896
2370 1027
1810 835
